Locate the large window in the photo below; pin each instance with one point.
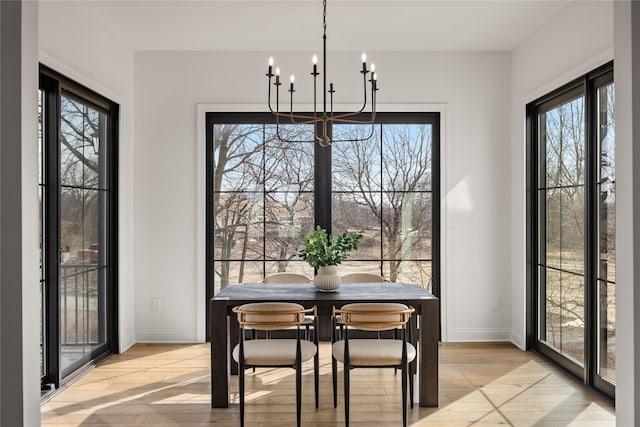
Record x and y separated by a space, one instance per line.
77 147
384 188
263 192
262 198
572 227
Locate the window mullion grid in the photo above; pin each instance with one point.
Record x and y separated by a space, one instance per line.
263 165
52 236
590 244
381 200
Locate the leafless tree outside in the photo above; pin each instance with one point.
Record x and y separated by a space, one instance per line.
263 196
564 139
388 179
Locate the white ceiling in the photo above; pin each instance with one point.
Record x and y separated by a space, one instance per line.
290 25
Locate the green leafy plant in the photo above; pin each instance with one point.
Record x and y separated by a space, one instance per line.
321 248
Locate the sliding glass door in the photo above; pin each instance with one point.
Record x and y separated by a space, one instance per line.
606 233
83 203
561 218
572 228
78 224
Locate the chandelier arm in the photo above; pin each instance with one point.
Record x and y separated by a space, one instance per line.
288 140
364 81
341 117
352 121
374 89
366 138
304 119
291 103
269 92
280 137
269 75
331 94
315 91
296 141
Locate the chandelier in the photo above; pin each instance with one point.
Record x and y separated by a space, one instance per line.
323 119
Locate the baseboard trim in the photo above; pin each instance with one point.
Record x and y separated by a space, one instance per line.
168 337
478 335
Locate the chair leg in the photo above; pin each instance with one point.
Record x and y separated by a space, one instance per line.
241 381
404 394
395 337
316 379
254 335
346 394
334 374
410 387
298 395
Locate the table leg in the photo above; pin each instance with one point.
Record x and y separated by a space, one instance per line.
429 336
219 354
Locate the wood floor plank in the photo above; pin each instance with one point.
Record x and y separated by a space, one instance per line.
484 384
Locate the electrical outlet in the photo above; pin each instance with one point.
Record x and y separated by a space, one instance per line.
155 305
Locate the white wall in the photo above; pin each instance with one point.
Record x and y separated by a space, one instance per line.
473 89
80 41
574 42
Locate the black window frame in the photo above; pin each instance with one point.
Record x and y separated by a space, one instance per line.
585 86
322 184
54 85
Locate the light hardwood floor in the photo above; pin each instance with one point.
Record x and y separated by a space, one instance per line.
480 384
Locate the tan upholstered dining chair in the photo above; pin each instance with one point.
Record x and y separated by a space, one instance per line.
266 352
372 352
361 277
286 277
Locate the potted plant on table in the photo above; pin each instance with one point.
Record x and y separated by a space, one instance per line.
324 253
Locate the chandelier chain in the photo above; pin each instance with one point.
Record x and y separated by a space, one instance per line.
324 18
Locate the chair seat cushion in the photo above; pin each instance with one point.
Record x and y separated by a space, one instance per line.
274 352
373 352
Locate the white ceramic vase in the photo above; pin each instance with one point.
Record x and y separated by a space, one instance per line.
327 279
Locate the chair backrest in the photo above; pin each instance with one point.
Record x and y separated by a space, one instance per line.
361 277
286 278
269 316
375 316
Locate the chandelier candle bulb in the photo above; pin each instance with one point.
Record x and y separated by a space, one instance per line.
277 76
270 66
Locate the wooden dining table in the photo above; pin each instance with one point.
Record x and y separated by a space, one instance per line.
225 329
